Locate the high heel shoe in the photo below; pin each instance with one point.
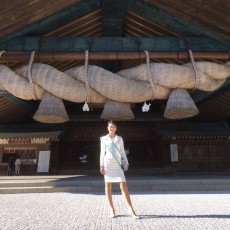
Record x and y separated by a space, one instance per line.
112 214
130 212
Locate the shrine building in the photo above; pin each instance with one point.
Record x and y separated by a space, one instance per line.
161 69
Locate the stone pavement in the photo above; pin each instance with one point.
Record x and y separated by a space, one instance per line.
89 211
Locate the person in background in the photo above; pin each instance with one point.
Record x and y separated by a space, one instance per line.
113 163
17 166
10 166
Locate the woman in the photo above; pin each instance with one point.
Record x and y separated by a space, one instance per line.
17 166
113 163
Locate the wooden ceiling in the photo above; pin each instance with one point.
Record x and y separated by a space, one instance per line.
14 15
11 112
95 18
212 15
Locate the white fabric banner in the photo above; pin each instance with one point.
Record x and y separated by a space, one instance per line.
43 161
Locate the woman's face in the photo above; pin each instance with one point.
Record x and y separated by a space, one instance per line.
112 128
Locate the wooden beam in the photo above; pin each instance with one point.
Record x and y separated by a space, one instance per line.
109 56
113 13
113 44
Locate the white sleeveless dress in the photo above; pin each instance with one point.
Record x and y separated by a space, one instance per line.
113 171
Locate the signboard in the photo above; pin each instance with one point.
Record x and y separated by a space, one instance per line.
43 162
22 140
174 152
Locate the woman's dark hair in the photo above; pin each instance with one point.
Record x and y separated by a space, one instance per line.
112 122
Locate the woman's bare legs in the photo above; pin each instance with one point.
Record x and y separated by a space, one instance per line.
125 193
108 192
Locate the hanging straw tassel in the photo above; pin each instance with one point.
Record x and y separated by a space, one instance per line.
180 105
114 110
51 110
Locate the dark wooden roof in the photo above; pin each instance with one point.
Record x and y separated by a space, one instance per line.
14 15
23 20
212 15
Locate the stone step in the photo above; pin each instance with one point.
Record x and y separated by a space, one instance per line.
96 184
45 189
83 189
96 171
131 182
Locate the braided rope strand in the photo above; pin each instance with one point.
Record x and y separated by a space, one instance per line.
86 76
134 84
30 76
149 76
197 82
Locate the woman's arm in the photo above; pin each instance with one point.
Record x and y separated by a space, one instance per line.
102 156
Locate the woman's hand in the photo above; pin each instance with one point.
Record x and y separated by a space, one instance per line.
102 170
126 168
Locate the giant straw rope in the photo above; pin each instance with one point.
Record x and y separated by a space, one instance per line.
98 85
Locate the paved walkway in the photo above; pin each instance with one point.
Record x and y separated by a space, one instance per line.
89 211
